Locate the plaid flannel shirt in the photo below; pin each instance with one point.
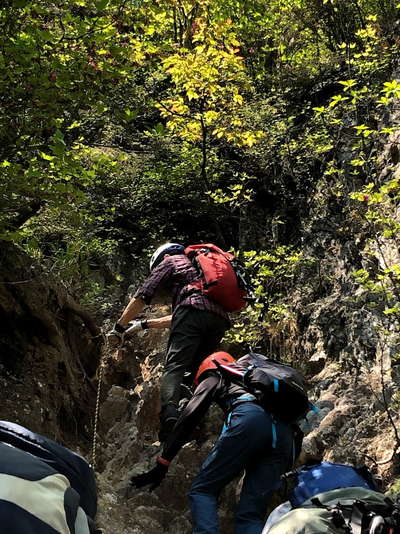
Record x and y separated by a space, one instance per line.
174 274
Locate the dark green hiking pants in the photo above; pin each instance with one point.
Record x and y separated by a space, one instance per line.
195 334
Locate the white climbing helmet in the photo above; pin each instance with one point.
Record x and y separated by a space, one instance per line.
167 248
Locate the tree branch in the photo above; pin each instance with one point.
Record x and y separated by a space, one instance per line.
89 322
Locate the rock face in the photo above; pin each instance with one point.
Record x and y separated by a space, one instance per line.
345 338
48 349
47 359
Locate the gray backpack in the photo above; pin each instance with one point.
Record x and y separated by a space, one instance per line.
352 510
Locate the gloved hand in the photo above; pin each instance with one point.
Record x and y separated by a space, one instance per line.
152 478
115 339
133 326
116 336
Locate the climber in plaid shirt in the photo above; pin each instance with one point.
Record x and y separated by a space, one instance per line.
197 324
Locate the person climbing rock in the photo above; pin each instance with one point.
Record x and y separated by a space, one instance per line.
197 323
252 440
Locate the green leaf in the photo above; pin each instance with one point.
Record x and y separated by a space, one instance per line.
46 156
348 84
390 311
101 4
357 162
130 115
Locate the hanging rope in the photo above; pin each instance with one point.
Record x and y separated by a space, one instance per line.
105 352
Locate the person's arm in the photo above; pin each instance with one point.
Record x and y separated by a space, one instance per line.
124 326
160 322
191 415
132 310
120 331
145 293
194 411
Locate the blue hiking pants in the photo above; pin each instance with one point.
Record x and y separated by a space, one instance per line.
254 442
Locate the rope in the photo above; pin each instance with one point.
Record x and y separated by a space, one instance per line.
104 354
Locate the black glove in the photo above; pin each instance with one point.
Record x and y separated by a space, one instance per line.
116 336
152 478
115 339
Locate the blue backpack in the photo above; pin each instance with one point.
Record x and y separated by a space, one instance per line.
327 476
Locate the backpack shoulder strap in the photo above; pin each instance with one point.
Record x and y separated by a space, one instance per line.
236 373
357 513
192 250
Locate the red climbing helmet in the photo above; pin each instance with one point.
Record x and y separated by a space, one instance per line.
209 363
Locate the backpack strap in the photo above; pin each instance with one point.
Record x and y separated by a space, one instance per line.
350 517
367 476
274 435
338 515
357 513
360 510
226 424
246 397
298 436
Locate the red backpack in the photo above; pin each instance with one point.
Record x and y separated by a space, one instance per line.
219 281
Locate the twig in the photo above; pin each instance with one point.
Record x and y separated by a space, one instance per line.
386 402
93 29
382 462
19 282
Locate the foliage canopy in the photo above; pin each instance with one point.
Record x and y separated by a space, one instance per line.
127 122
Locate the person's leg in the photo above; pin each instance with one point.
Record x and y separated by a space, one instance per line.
246 433
204 513
184 339
261 479
212 328
218 470
194 334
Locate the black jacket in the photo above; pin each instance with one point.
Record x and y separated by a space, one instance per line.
213 388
